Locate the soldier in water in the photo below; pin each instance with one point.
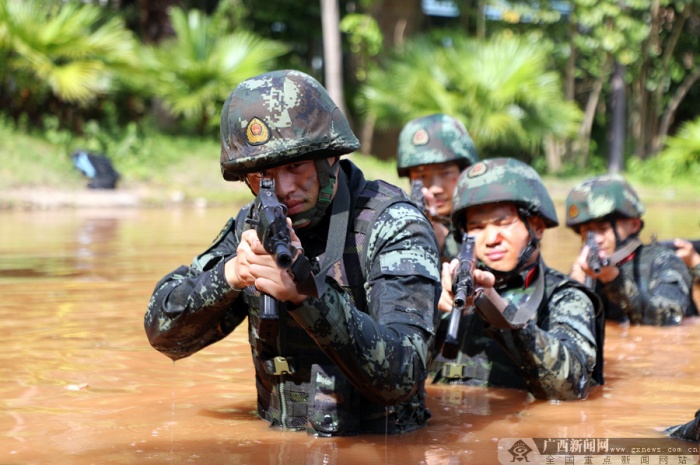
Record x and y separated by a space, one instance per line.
524 325
433 151
642 284
355 305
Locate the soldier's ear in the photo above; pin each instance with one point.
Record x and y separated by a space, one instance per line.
538 226
637 225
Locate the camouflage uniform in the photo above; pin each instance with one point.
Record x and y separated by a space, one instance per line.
436 139
689 431
654 285
554 355
352 360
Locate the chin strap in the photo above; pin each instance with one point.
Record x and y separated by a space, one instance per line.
301 270
623 248
327 177
492 312
525 254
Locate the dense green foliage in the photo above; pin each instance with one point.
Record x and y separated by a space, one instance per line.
191 72
503 90
679 161
534 81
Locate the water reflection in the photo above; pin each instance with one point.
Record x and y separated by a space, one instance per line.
79 383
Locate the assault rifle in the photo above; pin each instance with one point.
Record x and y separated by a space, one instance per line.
669 244
463 289
269 218
594 261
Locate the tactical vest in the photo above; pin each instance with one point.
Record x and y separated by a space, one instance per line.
298 385
483 362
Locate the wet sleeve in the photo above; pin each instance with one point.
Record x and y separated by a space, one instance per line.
557 362
666 297
383 349
195 306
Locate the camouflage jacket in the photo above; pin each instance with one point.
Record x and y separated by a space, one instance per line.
653 288
553 357
353 360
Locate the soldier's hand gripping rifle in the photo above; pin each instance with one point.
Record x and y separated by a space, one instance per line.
269 218
594 261
463 289
671 245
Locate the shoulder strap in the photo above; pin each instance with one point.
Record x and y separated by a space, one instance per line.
376 197
493 313
619 255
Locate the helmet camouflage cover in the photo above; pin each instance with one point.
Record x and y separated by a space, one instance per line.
434 139
278 118
502 180
601 197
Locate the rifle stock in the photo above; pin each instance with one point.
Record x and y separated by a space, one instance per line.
463 289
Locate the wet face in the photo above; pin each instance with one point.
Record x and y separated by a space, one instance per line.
440 179
296 185
604 234
500 235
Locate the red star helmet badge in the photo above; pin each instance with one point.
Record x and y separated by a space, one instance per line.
257 132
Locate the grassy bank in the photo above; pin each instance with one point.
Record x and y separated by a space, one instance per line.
160 170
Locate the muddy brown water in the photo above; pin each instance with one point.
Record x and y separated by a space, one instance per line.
79 383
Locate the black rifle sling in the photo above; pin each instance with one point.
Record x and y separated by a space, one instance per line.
491 313
301 269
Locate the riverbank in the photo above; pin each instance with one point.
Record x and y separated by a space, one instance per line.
181 171
219 193
129 197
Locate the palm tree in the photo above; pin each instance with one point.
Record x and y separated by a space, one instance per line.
193 72
501 89
68 53
680 159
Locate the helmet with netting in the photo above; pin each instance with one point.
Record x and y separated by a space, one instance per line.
502 180
600 198
278 118
434 139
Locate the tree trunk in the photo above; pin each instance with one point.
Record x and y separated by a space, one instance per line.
659 130
670 112
155 21
618 106
553 151
570 84
367 135
332 52
584 133
397 19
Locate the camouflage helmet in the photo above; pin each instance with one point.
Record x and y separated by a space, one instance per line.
278 118
434 139
606 196
502 180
